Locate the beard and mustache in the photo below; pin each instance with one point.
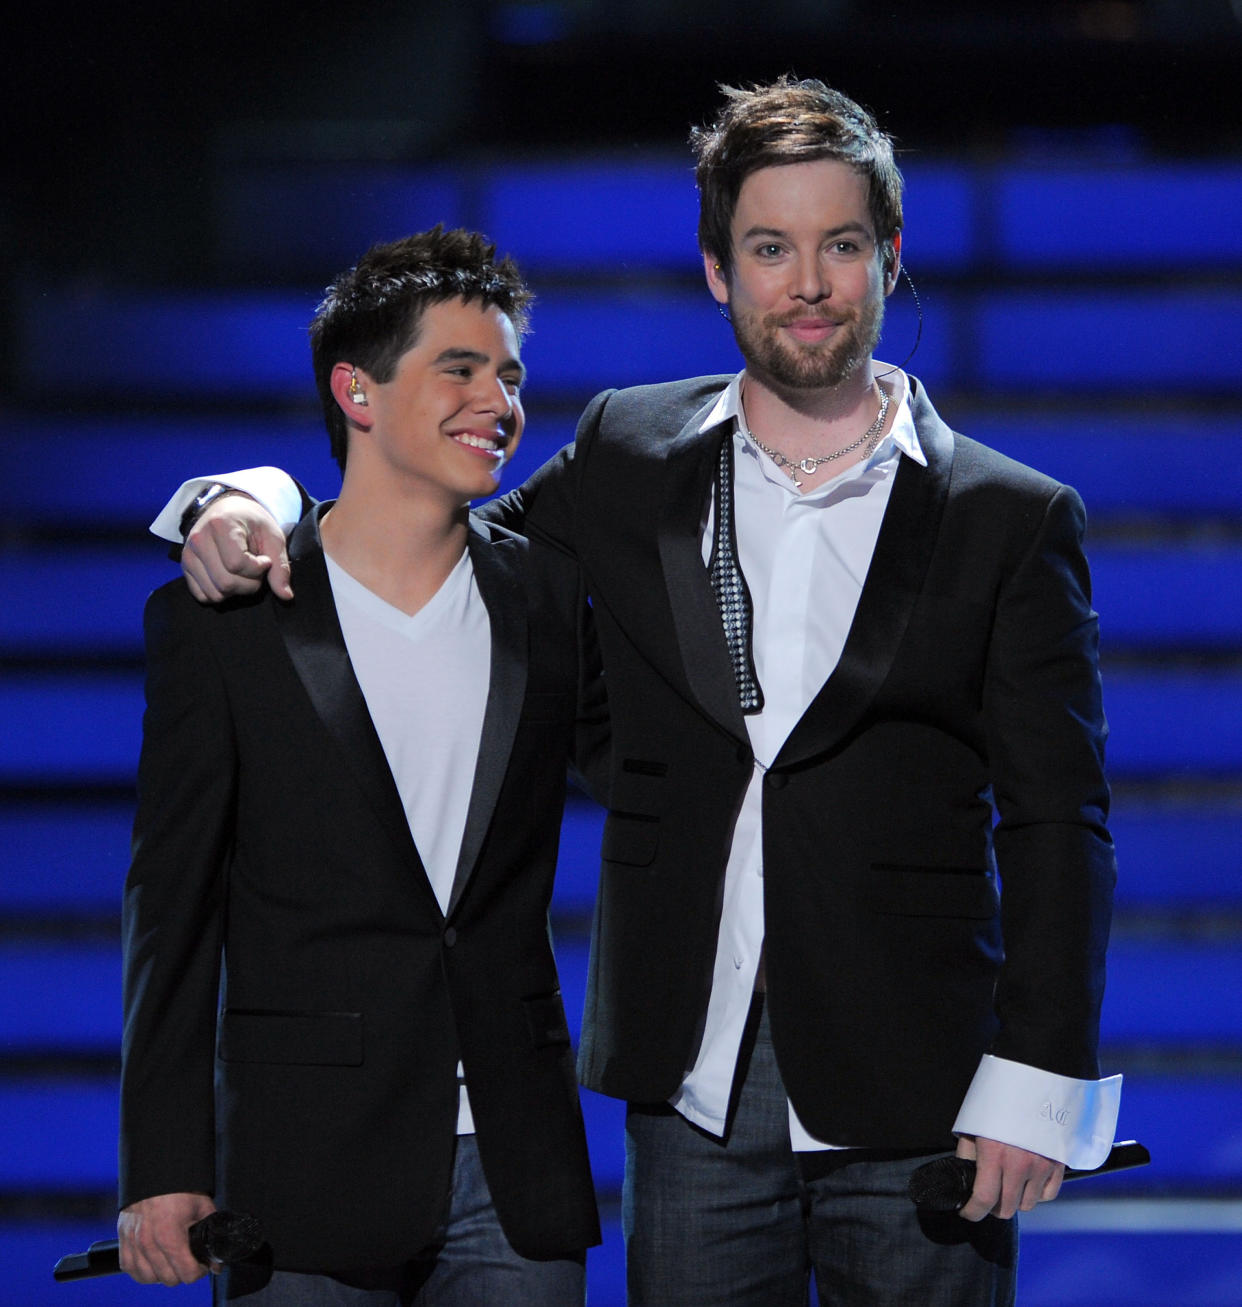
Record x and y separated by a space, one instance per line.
775 358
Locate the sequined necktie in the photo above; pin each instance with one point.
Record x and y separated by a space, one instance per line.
729 586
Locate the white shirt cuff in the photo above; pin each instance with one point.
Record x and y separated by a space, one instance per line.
271 487
1071 1121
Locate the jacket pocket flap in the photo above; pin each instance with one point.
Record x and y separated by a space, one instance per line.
545 1018
630 838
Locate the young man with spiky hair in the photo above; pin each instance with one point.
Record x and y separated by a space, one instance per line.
349 809
853 678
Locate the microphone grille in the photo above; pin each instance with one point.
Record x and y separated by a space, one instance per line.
225 1237
942 1185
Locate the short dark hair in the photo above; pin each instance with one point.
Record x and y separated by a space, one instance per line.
789 121
370 315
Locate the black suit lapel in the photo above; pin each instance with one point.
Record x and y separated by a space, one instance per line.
894 581
312 634
499 571
688 473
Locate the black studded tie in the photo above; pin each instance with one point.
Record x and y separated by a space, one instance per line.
729 586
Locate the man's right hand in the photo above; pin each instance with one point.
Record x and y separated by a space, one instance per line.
153 1238
232 547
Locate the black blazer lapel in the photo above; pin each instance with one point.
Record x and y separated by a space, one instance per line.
499 571
688 472
312 635
894 581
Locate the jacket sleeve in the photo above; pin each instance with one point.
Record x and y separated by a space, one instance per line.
173 909
1046 731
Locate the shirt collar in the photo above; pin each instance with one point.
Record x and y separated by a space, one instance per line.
902 437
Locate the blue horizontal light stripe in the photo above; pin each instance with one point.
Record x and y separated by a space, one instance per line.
621 216
1149 341
611 212
73 728
84 471
317 219
1184 992
1186 596
1178 855
1192 1124
60 995
1119 461
63 857
78 600
1098 217
60 1135
1173 723
230 344
613 216
942 211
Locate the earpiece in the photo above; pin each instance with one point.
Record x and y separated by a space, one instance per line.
356 393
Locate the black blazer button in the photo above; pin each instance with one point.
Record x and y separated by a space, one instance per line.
450 937
777 780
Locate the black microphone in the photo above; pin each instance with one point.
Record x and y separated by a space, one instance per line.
220 1237
945 1184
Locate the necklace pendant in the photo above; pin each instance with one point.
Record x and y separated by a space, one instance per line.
808 465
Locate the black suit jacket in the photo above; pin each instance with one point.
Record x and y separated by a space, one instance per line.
969 677
270 834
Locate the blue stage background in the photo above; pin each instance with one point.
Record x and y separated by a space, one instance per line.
1081 287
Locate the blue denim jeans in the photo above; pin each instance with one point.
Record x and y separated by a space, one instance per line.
745 1221
470 1265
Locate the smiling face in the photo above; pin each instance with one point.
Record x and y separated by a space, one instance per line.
451 415
807 285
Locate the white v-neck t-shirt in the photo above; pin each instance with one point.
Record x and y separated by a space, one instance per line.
425 679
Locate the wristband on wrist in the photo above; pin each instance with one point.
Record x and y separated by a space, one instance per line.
200 502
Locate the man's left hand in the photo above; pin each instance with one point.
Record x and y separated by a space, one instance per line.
1007 1179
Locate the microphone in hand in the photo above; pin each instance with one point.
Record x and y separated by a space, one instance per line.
219 1238
945 1184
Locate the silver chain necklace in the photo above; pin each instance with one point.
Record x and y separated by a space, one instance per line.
810 465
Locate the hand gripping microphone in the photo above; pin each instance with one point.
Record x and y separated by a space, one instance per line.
220 1237
945 1184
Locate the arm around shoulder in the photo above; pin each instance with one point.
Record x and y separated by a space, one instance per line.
237 540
